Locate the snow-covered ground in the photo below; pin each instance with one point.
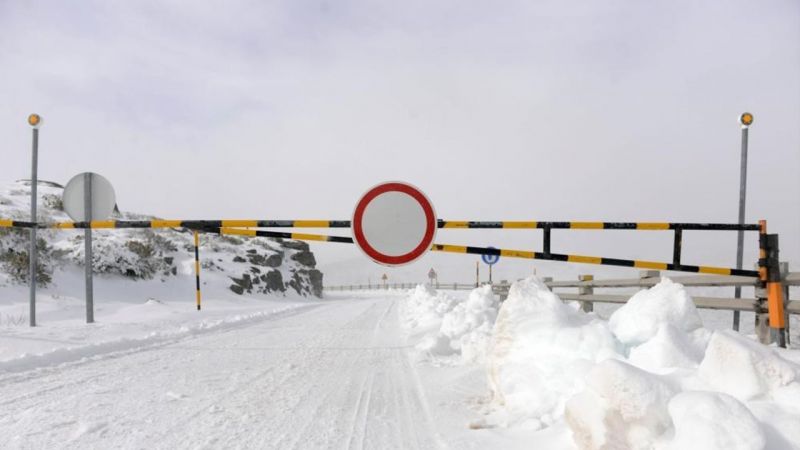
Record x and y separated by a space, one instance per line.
390 369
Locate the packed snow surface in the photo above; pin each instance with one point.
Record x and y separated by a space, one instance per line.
388 369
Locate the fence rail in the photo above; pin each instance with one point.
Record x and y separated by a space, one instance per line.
585 285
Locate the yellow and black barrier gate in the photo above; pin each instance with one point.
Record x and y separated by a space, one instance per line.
769 289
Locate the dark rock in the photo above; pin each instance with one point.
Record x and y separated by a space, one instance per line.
305 258
274 260
296 245
246 283
169 260
237 289
238 259
315 278
274 281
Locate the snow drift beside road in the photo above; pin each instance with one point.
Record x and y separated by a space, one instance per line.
650 377
450 327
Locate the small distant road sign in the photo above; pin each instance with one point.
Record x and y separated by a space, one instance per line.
432 274
394 223
490 259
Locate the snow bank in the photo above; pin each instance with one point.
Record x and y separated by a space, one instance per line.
468 326
713 421
649 378
746 369
621 407
94 350
451 327
424 308
640 319
540 350
661 328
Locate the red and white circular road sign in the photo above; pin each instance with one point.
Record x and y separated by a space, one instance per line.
394 223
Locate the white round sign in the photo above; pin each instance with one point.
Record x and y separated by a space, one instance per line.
394 223
103 198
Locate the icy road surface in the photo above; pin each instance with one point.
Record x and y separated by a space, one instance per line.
328 375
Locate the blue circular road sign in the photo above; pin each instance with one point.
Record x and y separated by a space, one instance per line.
490 259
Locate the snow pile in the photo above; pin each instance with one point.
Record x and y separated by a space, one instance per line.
621 407
540 352
650 377
468 326
451 327
424 308
666 303
661 328
747 370
713 421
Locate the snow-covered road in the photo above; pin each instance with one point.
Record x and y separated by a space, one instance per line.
329 375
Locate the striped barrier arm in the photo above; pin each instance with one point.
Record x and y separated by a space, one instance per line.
282 235
592 260
645 226
241 228
445 224
639 264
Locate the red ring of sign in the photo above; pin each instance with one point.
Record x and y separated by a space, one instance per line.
430 219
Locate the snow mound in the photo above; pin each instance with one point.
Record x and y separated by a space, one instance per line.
621 407
670 348
643 315
540 351
713 421
652 377
424 308
450 327
746 369
468 326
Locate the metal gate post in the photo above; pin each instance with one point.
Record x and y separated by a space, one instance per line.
760 308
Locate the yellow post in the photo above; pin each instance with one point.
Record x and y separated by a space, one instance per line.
197 265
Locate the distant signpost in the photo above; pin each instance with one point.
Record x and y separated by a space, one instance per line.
394 223
433 277
88 196
490 260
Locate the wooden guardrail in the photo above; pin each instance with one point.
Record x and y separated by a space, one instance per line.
587 284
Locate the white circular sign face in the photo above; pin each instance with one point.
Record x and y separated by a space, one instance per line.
394 223
103 198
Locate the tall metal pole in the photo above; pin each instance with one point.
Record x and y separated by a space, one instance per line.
87 249
197 266
35 121
745 120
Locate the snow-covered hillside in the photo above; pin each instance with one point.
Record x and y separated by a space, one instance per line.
152 257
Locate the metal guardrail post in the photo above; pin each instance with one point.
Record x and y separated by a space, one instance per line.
586 307
784 273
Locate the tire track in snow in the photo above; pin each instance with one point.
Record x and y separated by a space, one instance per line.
62 358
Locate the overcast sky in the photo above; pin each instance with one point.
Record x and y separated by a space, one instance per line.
550 110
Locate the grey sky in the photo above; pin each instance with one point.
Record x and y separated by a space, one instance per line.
617 110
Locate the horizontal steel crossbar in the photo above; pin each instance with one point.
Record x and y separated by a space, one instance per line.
445 224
